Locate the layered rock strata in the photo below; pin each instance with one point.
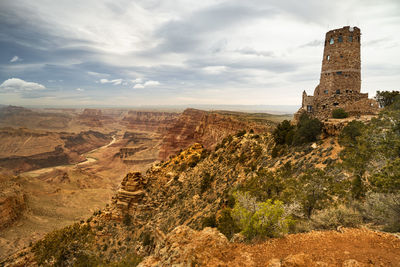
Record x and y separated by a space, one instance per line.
206 128
131 191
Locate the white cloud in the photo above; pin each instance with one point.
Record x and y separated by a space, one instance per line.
15 59
137 80
146 84
93 73
245 50
114 82
80 89
214 69
151 83
18 85
138 86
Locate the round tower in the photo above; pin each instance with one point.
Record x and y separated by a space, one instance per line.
341 63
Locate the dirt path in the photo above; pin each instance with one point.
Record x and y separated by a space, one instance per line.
333 248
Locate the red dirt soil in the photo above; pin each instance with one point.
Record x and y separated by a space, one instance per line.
333 248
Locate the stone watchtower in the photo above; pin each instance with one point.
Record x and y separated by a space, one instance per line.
340 80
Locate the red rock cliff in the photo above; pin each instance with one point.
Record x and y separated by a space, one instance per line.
206 128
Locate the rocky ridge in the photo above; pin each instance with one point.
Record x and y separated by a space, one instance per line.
161 213
206 128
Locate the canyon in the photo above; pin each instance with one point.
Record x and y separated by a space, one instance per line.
59 166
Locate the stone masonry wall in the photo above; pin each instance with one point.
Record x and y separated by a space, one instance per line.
340 80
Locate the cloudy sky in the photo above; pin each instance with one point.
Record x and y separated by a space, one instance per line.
171 52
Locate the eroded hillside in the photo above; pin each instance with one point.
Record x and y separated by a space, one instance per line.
163 212
68 173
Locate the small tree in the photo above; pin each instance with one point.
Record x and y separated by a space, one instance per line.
339 113
283 133
307 130
386 98
387 180
350 132
314 190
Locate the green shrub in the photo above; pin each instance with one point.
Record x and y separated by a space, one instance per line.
387 179
283 133
339 113
386 98
206 182
225 223
241 133
193 161
65 246
276 151
383 209
307 130
334 217
314 190
350 132
147 239
266 185
260 219
130 260
209 221
127 219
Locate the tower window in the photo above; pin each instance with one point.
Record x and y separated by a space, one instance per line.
340 39
328 57
341 56
338 91
326 91
358 38
336 104
339 73
309 108
331 41
350 39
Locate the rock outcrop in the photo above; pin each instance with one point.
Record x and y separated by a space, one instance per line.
131 191
187 247
206 128
150 120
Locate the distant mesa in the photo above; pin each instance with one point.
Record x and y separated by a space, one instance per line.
340 81
92 117
91 112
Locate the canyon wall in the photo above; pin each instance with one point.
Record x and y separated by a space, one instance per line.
206 128
154 121
23 150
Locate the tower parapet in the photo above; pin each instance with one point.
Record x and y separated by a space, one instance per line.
340 79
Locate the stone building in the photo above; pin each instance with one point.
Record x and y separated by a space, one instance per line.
340 80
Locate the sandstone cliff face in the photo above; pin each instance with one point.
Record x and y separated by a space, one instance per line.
12 201
91 117
85 141
131 192
333 127
149 120
206 128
